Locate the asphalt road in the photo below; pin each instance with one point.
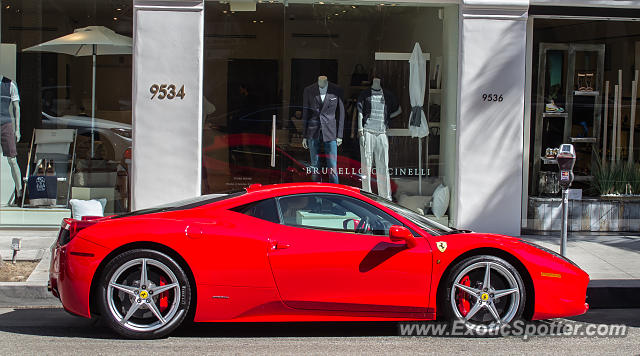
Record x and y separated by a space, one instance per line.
53 331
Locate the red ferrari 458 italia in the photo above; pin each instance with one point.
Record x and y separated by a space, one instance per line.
301 252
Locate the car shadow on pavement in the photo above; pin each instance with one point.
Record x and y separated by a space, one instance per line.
55 322
52 322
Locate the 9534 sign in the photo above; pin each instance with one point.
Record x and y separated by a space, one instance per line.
166 91
497 98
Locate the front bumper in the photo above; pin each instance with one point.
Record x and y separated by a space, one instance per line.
562 293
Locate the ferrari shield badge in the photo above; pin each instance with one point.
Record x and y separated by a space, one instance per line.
442 245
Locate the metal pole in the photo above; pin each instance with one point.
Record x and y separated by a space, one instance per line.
565 221
93 99
419 165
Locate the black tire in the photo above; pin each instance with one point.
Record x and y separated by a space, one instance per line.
509 307
127 299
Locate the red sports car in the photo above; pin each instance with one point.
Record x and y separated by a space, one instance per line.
301 252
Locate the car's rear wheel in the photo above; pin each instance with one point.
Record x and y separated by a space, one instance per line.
485 293
144 294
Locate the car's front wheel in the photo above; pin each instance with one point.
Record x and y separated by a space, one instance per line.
144 294
485 293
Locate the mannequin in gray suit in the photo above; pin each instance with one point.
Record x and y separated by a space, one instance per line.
323 124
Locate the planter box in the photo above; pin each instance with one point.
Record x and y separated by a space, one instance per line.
614 214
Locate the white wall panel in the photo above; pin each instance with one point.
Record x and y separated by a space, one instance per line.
490 133
168 38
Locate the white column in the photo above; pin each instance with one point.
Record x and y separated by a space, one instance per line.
493 37
168 50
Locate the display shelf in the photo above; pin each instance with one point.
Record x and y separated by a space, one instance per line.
571 55
586 93
583 139
555 114
406 132
546 160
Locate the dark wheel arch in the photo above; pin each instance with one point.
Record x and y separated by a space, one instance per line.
526 277
93 308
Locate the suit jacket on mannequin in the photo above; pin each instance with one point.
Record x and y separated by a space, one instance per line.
323 119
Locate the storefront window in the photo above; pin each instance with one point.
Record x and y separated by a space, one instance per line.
584 92
65 109
326 92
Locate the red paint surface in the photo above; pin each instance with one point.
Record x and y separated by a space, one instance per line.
320 276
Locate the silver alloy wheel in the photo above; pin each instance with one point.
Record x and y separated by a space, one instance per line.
486 296
131 288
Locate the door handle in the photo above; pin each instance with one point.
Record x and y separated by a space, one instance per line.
275 245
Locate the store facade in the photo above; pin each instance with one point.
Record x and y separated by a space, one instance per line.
211 96
582 88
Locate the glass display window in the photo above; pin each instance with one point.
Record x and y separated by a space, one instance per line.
302 92
66 108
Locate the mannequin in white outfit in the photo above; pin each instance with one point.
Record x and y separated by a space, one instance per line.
14 114
374 144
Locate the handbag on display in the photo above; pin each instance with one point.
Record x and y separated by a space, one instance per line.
43 185
359 76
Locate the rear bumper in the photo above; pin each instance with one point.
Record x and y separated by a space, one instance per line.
71 273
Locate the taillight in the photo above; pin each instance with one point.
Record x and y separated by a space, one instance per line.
127 153
70 228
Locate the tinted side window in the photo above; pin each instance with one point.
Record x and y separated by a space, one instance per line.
336 213
264 209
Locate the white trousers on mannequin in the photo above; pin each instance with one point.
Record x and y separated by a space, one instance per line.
376 147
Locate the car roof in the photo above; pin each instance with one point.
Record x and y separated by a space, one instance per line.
304 187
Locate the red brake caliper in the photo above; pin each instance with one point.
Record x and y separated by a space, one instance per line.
462 297
164 296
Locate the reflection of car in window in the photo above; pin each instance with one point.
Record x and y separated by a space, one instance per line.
249 155
116 136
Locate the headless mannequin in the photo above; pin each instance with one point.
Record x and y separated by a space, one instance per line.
14 113
374 146
323 85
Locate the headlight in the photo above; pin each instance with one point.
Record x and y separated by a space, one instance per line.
122 132
548 251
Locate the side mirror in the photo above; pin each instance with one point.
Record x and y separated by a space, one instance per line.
400 233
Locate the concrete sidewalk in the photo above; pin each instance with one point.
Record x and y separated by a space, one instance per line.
35 246
604 257
612 262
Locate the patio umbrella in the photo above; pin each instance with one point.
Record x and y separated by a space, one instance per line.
418 126
88 41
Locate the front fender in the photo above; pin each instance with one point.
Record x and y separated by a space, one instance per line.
559 286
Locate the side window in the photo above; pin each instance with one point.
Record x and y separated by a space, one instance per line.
264 209
335 213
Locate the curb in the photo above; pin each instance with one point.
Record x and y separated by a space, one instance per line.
33 291
613 294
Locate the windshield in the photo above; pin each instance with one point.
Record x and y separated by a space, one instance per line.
184 204
428 225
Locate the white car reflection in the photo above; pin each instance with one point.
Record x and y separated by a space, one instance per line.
116 136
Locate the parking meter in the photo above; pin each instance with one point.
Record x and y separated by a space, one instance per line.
566 159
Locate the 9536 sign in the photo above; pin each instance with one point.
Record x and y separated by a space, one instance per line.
497 98
166 91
